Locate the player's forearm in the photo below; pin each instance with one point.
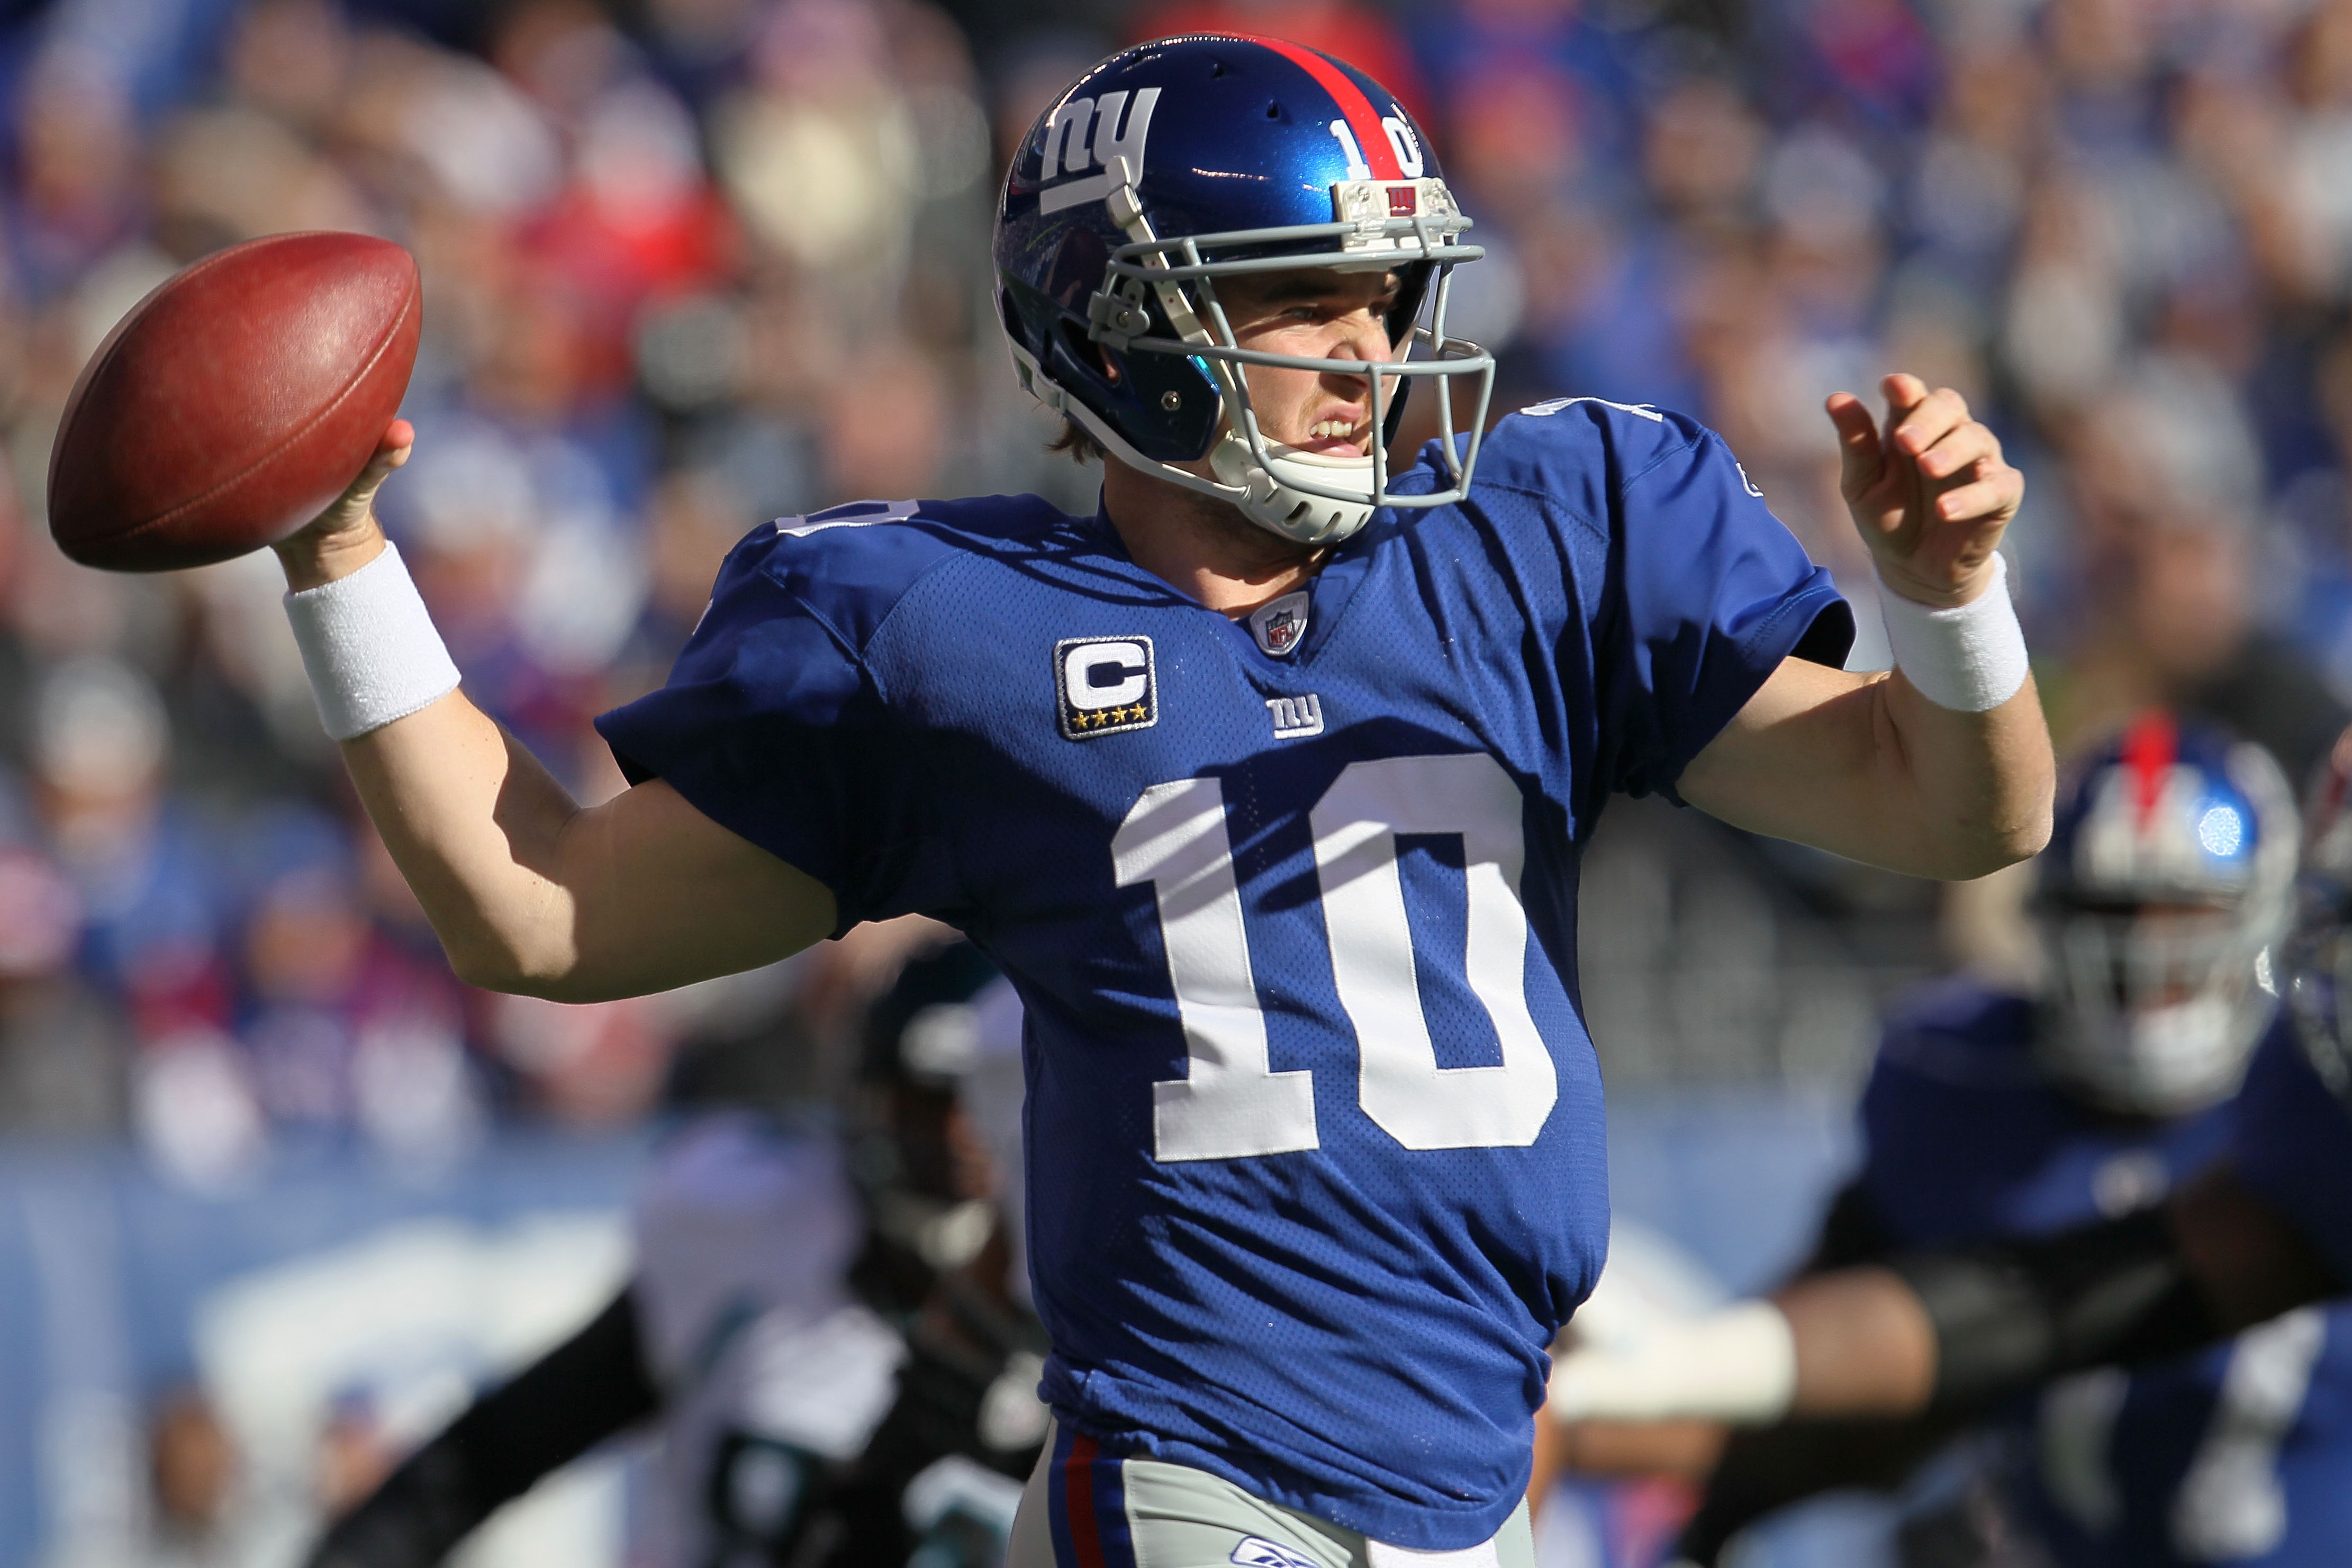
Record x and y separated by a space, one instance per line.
1972 792
470 819
533 894
528 890
1865 1349
1864 767
477 826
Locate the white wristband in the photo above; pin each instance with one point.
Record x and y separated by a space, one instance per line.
1738 1365
370 647
1970 659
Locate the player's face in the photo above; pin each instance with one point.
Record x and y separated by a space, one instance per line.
1315 313
2169 954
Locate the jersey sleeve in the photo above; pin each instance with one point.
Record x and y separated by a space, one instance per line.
1709 593
773 726
2293 1146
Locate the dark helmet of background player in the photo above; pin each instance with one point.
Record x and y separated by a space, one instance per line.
927 1177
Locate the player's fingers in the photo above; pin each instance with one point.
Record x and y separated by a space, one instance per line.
1928 421
1903 393
1992 495
390 451
1960 447
1859 458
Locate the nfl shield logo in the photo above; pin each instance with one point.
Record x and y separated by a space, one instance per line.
1278 626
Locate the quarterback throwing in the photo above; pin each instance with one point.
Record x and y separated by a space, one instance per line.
1265 784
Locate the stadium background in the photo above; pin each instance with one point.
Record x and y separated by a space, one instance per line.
274 1187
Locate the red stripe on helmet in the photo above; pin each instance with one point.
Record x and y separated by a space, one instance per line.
1371 137
2150 748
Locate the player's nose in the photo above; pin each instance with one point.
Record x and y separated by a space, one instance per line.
1363 338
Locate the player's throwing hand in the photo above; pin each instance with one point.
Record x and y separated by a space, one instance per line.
1930 494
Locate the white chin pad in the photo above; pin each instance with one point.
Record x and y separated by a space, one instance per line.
1273 504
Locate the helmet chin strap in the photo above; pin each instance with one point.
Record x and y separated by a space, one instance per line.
1241 481
1270 500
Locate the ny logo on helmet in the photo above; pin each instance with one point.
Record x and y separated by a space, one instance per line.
1069 149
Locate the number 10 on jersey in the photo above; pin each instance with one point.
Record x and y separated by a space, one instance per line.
1232 1104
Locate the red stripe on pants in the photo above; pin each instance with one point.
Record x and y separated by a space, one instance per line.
1078 1498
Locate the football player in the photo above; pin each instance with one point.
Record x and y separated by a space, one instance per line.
2165 889
2235 1455
1265 785
842 1370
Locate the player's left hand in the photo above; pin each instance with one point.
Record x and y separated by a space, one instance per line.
1930 493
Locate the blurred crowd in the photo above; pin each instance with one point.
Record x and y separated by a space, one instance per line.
692 264
726 264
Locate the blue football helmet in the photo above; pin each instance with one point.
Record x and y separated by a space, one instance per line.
1175 164
2169 880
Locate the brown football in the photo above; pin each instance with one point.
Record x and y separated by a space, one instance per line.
238 400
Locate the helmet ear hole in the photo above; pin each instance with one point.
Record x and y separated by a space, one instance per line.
1086 354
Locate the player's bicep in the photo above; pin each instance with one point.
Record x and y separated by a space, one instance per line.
662 896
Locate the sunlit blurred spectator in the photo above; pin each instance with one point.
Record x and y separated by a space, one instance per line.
346 1032
74 195
1363 35
64 1047
146 867
2169 493
599 1064
885 428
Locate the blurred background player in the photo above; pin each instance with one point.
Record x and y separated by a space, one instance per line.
830 1332
1978 1132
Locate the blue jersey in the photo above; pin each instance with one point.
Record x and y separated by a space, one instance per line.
1314 1130
2294 1147
2240 1453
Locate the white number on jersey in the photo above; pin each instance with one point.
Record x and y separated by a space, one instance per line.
1230 1103
2229 1505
